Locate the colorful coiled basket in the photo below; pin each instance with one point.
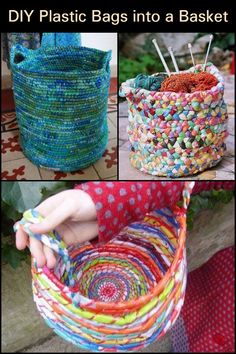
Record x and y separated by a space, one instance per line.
176 134
117 297
61 96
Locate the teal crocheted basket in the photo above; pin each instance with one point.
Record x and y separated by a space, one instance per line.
61 98
61 39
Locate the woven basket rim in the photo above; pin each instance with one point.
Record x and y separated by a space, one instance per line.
127 88
60 50
180 215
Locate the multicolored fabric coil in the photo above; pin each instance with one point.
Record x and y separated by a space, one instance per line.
176 134
120 296
61 96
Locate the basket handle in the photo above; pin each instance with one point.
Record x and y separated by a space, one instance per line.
123 90
52 239
107 61
61 39
18 54
126 88
188 187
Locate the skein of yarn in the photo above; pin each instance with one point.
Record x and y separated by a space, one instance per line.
189 82
147 82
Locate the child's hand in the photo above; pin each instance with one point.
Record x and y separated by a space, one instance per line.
71 213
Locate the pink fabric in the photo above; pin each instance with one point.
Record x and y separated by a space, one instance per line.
119 203
207 322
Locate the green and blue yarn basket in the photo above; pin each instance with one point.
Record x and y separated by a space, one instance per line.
61 93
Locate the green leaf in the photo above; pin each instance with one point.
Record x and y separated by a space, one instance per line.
9 216
9 212
206 200
25 195
16 198
12 256
190 224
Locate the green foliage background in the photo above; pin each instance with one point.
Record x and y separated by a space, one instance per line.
207 200
225 40
17 197
134 64
129 67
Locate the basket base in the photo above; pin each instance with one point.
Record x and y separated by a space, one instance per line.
162 167
71 164
66 169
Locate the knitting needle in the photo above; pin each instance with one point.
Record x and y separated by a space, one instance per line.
190 49
173 59
208 49
161 57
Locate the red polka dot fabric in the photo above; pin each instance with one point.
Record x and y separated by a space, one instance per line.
207 322
120 203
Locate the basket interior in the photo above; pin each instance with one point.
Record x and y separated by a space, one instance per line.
64 59
210 69
130 265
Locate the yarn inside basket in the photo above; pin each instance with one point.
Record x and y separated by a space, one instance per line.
127 267
189 82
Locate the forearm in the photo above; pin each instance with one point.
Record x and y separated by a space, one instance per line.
120 203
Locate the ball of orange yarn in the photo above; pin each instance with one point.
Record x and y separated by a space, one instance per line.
204 81
189 82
